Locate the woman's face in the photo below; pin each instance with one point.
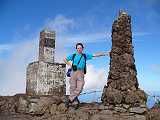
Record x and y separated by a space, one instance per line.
79 49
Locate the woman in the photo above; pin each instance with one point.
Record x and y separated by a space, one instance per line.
78 66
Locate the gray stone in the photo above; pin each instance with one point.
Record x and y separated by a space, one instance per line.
137 110
106 112
143 106
33 100
103 107
53 109
61 108
126 106
113 96
140 117
22 105
120 109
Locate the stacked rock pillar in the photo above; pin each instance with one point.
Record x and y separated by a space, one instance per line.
122 84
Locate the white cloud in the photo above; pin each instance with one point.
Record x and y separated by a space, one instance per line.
95 78
13 70
60 23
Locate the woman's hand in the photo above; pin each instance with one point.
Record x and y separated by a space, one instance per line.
67 62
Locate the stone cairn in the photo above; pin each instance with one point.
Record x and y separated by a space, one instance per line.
122 85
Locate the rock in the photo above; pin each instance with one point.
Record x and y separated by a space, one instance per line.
37 105
8 116
120 109
102 117
126 106
2 101
111 107
153 114
53 109
118 117
106 112
42 108
137 110
93 112
143 106
140 117
80 115
61 108
33 108
7 104
132 97
142 95
22 105
103 107
113 96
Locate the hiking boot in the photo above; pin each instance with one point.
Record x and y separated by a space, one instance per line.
76 103
75 106
67 102
77 100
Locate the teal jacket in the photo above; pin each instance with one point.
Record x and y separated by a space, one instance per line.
77 57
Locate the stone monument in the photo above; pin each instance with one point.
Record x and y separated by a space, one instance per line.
45 77
122 86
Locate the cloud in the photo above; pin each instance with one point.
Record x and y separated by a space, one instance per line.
60 23
95 78
13 69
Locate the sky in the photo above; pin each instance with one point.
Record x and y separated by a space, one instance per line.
74 21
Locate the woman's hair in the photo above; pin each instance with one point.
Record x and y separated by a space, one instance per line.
80 45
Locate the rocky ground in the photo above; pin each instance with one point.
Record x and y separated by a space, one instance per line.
23 107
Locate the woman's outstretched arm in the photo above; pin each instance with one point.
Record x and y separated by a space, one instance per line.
99 54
